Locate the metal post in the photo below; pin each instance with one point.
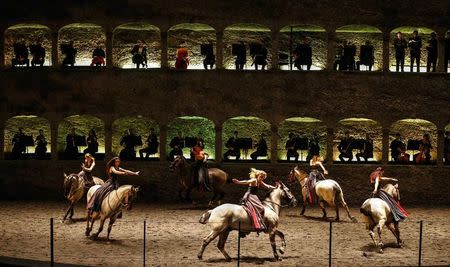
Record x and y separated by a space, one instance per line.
290 49
420 243
329 250
52 256
145 228
239 245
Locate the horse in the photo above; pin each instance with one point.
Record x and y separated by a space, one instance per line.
111 207
227 217
378 213
217 178
74 191
328 191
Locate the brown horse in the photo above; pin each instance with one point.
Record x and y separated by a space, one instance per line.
217 179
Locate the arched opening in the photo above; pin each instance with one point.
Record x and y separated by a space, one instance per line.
28 44
27 137
133 137
246 46
447 54
81 134
359 47
357 140
184 132
301 138
302 47
406 141
136 45
407 47
447 145
196 39
84 38
246 138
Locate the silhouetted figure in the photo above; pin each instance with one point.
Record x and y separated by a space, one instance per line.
98 56
447 148
233 147
38 54
139 53
92 143
259 55
41 146
20 54
349 56
313 147
19 146
261 148
71 151
338 58
303 55
367 151
432 49
208 51
291 148
400 46
345 148
70 53
366 56
177 144
128 142
182 59
447 51
240 51
152 145
415 44
398 150
424 155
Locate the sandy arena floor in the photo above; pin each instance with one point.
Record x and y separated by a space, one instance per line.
174 237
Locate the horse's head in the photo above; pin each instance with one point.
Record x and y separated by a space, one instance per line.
70 181
297 174
177 163
130 196
285 192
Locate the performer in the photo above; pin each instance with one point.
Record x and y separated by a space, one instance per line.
152 145
366 56
447 51
92 143
345 148
71 151
261 148
139 53
367 151
415 44
424 156
251 203
128 142
290 147
210 58
398 150
86 170
182 60
313 147
432 49
349 56
20 54
200 168
303 55
233 147
113 171
400 46
38 53
41 145
70 52
241 56
316 165
98 56
18 142
376 178
447 148
177 144
260 57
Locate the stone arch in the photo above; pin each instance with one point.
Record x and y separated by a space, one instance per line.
315 36
125 36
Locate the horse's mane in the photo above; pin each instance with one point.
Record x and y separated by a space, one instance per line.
126 186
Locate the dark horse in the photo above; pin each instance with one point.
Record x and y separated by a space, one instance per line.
217 179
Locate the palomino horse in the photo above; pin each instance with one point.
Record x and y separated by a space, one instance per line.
74 191
328 191
111 207
378 213
226 218
217 179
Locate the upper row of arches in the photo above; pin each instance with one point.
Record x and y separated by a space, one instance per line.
86 36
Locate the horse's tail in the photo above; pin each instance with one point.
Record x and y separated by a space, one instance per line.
339 196
205 217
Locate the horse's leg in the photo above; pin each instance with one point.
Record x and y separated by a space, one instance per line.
100 228
393 231
221 244
337 212
397 231
283 241
110 225
304 203
322 206
211 202
67 212
71 212
381 222
274 245
206 241
89 219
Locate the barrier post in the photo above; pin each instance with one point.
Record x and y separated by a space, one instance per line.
145 228
420 243
329 249
52 256
239 245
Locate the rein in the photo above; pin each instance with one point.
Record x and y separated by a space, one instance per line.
281 206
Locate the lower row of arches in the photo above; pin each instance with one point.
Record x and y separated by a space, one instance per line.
294 135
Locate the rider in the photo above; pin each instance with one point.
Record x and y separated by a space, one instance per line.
250 201
86 170
315 174
113 170
376 177
199 168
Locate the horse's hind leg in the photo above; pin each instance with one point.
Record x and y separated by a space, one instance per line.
379 229
274 245
322 206
283 241
221 244
397 231
206 241
89 219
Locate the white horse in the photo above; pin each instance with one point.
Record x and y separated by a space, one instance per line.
226 218
328 191
378 213
74 191
111 207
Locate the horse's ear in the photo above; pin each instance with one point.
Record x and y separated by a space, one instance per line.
396 186
296 167
65 175
136 189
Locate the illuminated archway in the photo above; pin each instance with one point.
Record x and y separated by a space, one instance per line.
31 34
407 31
82 124
252 35
305 129
31 125
365 38
126 36
359 129
293 36
193 35
140 127
85 37
249 129
192 127
411 132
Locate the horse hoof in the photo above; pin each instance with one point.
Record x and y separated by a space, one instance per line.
281 250
200 257
354 219
228 259
380 251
